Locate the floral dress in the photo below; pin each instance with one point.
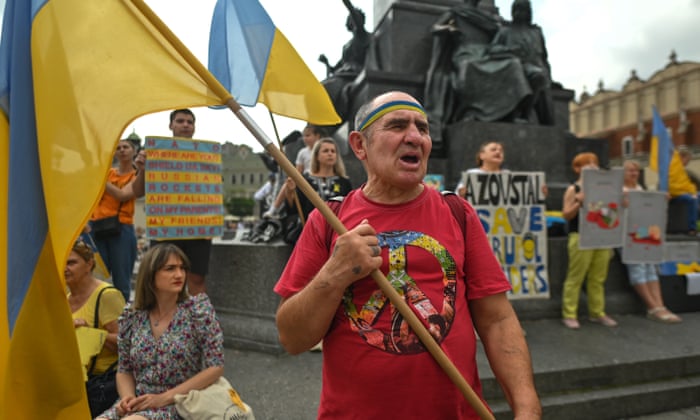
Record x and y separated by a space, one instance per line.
192 342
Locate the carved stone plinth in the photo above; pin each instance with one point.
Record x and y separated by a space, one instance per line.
239 284
528 147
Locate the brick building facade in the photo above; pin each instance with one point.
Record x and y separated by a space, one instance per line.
623 118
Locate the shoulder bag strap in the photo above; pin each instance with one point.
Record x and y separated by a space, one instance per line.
96 324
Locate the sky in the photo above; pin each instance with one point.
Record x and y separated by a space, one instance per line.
587 41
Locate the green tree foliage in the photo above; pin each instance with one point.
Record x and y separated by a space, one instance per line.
239 206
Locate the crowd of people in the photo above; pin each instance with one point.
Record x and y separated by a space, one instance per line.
166 340
161 339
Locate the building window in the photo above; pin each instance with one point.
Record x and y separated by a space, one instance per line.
252 178
233 179
627 146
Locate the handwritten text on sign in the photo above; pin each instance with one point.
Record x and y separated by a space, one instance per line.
183 188
511 209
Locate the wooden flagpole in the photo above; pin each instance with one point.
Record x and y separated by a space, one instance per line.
428 341
297 203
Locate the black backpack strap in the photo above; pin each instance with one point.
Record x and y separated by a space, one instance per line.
96 324
457 209
334 204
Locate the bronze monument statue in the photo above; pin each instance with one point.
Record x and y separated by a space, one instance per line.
479 69
526 40
339 78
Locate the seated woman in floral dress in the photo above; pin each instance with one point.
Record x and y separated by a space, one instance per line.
169 342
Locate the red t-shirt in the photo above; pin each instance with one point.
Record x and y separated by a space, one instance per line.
374 366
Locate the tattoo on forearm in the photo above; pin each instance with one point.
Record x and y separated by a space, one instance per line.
356 269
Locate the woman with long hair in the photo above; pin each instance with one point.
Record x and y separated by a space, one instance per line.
169 342
327 176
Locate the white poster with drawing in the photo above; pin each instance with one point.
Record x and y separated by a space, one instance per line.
600 218
645 233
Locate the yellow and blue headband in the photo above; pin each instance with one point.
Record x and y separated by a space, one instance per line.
384 109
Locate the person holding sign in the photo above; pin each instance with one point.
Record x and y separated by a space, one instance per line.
452 281
116 242
197 250
489 159
643 277
85 291
584 264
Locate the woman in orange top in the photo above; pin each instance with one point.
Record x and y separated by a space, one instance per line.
119 250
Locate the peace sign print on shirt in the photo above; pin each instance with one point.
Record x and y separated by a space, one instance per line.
401 339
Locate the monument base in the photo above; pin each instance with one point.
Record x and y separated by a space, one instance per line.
528 147
242 275
240 281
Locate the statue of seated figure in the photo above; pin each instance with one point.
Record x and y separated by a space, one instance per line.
526 41
472 78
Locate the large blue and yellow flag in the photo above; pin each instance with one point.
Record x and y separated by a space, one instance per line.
73 74
665 160
256 63
661 150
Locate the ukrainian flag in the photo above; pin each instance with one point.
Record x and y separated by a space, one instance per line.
256 63
661 150
73 74
665 160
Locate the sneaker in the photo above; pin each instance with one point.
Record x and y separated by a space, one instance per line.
604 320
571 323
270 214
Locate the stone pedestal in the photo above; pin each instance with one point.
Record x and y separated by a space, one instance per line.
240 281
528 147
241 278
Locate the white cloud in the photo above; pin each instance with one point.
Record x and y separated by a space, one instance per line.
600 39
